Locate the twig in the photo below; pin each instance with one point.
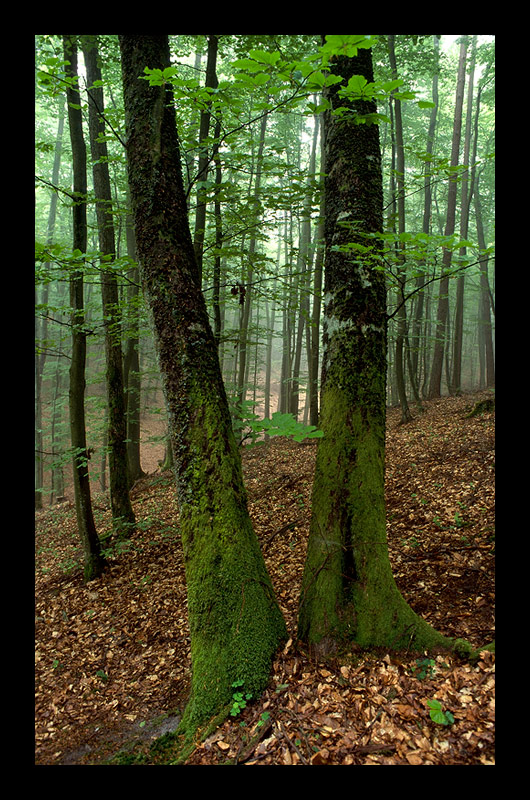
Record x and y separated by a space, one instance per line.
292 745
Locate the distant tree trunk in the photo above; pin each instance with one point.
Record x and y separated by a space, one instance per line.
317 298
58 433
131 365
400 181
466 197
235 623
94 561
305 257
216 299
416 340
247 279
122 512
348 591
486 332
42 330
435 384
204 159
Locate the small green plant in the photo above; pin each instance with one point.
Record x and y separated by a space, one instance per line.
410 542
102 674
438 715
263 719
424 668
239 699
251 430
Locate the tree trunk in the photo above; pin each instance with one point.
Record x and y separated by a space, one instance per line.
466 197
247 293
417 342
122 512
435 384
235 622
216 299
204 160
400 181
132 379
348 591
42 329
485 301
94 561
317 295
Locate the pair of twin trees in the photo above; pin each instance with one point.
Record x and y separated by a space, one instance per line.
236 625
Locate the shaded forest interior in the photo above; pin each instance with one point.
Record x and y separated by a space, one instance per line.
252 118
113 658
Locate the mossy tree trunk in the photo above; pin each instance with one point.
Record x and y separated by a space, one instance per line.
348 590
235 623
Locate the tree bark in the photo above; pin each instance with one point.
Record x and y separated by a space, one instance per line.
132 379
317 296
400 181
417 342
467 188
235 622
122 512
204 159
435 384
42 329
94 561
348 590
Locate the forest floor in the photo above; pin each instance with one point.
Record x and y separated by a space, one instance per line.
112 656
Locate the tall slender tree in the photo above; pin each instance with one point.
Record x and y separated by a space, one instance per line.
235 622
94 560
416 338
42 329
435 384
122 512
400 202
467 189
204 152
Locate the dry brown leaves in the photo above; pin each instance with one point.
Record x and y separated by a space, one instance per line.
114 655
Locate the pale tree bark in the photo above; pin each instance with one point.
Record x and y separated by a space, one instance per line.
435 384
418 343
467 188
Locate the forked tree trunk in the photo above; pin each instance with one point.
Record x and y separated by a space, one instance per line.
235 623
348 590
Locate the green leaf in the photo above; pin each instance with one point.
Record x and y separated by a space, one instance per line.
439 716
389 86
248 64
357 84
347 45
264 57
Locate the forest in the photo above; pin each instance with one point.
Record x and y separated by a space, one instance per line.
264 399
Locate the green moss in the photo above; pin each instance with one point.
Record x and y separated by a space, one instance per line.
349 594
235 623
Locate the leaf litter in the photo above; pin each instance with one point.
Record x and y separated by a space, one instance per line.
112 657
